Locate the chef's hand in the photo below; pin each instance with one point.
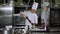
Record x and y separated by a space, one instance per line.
22 14
33 26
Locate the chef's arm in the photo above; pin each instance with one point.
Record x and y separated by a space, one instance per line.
29 20
22 14
26 17
35 20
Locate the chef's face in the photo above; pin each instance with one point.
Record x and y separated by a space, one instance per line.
33 11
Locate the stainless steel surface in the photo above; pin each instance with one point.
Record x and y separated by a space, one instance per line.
6 20
6 12
45 33
7 32
19 20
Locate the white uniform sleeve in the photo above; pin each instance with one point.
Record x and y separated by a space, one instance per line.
36 19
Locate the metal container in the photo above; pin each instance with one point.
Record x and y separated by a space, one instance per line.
7 32
19 20
6 12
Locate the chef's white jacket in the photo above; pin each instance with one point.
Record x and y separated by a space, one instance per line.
33 18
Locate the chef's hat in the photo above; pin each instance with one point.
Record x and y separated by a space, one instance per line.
35 5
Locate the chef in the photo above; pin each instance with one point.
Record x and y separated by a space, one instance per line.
45 14
30 16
